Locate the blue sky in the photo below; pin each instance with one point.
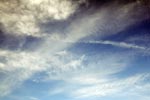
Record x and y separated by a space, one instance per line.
74 50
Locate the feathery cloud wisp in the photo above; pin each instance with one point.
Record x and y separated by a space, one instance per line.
119 44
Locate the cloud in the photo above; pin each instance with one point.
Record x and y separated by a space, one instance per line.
24 65
98 78
65 66
113 43
108 88
17 64
99 23
95 71
52 58
84 86
33 98
119 44
21 17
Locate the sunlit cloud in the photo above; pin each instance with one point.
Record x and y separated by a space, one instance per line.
82 75
21 17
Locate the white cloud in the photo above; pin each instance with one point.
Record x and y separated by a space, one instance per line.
33 98
63 66
96 71
18 67
110 87
25 64
99 23
119 44
21 17
98 78
24 16
82 86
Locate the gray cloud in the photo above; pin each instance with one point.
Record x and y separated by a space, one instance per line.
22 17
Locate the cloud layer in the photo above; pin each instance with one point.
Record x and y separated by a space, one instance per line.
81 75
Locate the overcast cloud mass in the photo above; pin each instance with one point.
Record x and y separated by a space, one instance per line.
74 49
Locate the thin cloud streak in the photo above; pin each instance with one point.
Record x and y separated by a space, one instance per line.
119 44
107 42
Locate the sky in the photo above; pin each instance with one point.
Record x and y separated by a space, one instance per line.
74 50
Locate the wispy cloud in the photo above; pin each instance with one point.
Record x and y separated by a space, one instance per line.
93 73
113 43
33 98
99 79
109 88
52 58
119 44
25 64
